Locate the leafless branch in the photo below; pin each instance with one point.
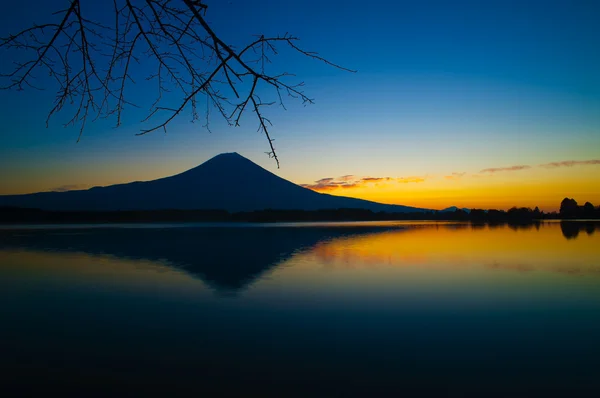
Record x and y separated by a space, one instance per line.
93 64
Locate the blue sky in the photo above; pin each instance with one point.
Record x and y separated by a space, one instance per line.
441 87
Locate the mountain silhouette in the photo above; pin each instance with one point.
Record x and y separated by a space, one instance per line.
455 208
226 182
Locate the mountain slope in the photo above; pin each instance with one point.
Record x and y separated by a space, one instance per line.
452 209
228 181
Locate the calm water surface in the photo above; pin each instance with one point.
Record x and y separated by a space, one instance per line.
357 309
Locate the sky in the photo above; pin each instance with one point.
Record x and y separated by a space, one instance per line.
473 104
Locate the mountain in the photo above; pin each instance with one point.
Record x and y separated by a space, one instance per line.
452 209
228 181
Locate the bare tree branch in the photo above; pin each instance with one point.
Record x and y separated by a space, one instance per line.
93 64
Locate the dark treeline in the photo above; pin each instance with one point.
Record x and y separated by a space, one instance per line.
568 210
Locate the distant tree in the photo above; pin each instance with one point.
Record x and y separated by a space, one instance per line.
568 208
496 216
588 210
478 215
93 63
461 215
519 215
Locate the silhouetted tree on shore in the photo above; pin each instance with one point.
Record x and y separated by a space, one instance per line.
569 209
588 210
516 216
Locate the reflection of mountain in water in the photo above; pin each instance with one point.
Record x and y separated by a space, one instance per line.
226 258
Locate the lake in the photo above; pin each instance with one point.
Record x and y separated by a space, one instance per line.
311 310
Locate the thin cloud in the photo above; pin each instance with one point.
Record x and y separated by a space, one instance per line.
328 187
455 176
324 180
375 179
407 180
347 178
69 187
351 181
499 169
325 184
570 163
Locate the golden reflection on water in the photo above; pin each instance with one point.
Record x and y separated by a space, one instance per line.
426 256
463 245
444 261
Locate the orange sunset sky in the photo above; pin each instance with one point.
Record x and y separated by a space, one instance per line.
491 105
